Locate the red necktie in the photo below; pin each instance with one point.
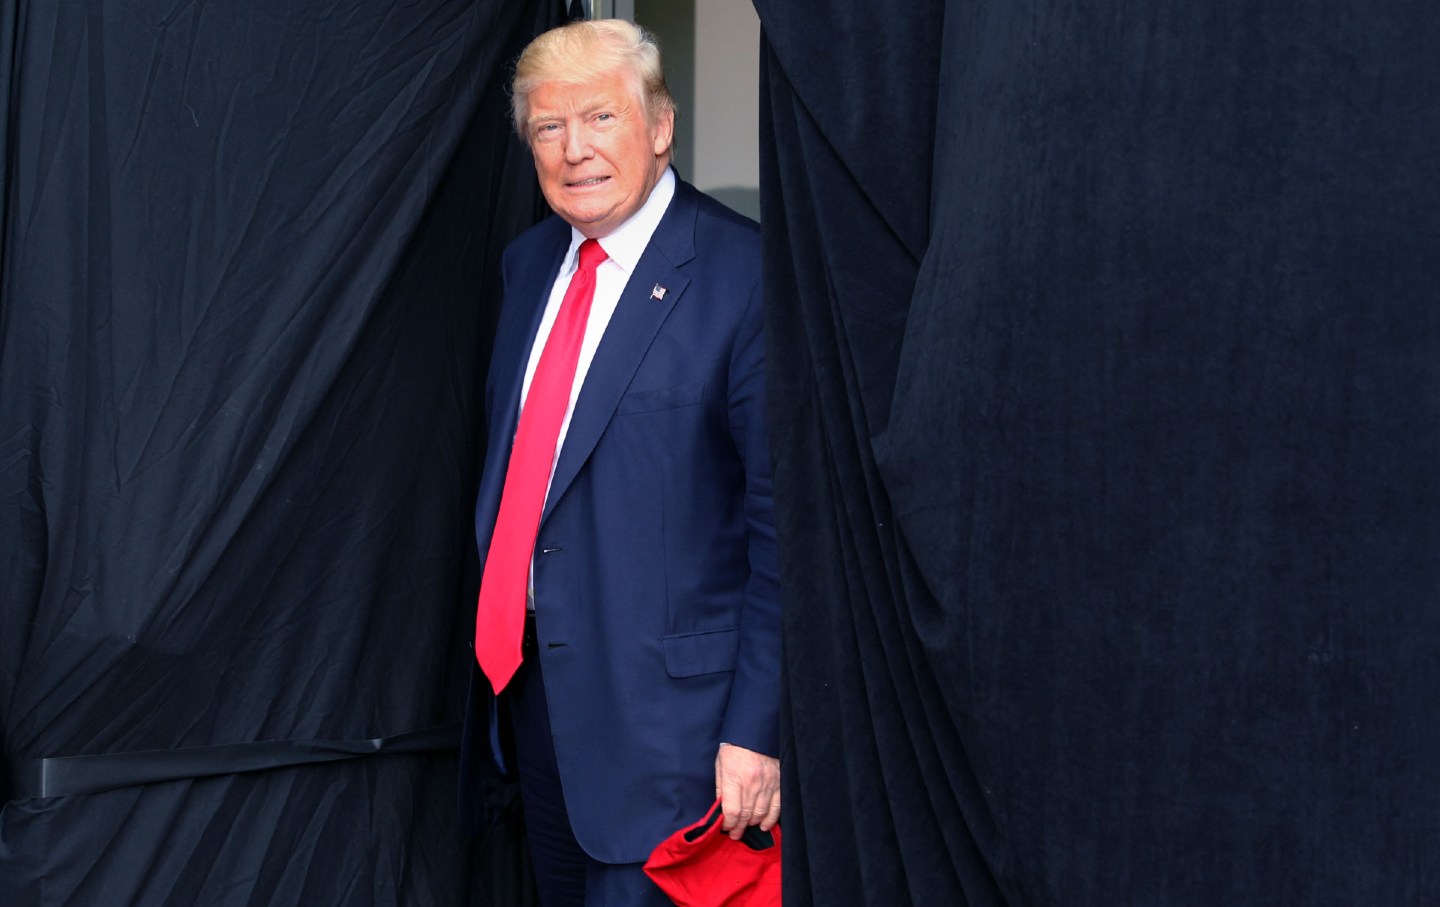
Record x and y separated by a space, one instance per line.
500 617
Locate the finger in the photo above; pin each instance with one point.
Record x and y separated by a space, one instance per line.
723 791
744 812
757 799
729 803
772 815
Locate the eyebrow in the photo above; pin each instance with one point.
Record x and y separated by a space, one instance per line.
589 107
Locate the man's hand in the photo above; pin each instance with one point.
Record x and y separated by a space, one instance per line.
748 785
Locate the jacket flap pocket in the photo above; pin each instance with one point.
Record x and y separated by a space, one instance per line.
657 398
701 653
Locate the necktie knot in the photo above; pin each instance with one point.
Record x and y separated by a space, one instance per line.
591 255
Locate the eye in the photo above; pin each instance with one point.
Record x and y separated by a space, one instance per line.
604 117
547 130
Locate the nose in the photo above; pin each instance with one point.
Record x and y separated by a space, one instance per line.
577 144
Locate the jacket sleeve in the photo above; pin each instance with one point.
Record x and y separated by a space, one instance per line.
752 717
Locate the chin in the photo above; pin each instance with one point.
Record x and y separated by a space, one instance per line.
586 219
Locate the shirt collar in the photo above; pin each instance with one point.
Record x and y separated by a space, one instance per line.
627 242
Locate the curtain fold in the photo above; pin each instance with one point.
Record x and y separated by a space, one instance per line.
250 273
1103 356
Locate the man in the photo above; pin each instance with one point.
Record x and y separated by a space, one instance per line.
624 516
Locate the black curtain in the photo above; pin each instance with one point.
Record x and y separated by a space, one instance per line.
249 280
1105 368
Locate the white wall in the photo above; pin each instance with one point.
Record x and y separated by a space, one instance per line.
727 92
712 59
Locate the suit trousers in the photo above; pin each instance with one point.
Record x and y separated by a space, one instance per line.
565 875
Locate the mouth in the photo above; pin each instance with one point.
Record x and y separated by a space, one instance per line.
587 183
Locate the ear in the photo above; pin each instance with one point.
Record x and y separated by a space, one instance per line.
664 133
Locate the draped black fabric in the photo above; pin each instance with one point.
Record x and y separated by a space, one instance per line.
1105 363
249 280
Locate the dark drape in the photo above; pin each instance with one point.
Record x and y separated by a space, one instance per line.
1105 363
249 273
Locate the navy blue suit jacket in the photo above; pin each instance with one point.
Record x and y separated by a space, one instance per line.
656 597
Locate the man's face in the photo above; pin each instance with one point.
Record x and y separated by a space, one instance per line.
595 153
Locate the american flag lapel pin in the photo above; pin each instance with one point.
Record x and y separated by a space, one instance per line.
658 292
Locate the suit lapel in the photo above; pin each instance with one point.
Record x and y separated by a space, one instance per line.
637 319
516 335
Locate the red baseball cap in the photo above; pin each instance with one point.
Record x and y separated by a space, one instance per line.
701 866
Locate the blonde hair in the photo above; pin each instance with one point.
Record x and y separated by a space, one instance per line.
585 50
